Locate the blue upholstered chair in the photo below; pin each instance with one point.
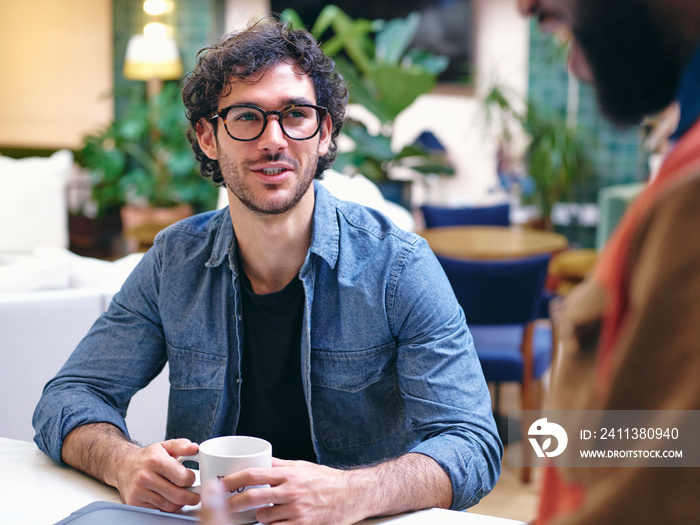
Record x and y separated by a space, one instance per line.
501 301
435 216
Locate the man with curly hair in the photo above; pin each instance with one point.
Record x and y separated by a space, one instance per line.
291 315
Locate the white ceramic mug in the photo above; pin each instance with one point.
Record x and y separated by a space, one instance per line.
221 456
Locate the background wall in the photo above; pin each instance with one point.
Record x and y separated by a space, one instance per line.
55 71
501 56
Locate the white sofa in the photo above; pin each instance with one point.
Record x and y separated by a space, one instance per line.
39 328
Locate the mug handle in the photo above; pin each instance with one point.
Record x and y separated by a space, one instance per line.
197 489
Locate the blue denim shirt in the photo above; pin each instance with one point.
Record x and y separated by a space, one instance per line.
388 363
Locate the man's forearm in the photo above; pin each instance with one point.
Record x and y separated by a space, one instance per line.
96 449
411 482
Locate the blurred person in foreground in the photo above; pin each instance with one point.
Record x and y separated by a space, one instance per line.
292 316
214 506
631 332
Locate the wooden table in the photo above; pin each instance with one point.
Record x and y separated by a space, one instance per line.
492 242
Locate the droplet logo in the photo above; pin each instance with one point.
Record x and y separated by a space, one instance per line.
542 427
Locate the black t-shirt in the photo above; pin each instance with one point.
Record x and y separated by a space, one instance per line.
273 406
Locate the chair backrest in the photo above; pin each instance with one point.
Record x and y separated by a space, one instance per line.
435 216
498 292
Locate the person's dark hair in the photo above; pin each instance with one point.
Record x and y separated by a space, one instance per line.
242 56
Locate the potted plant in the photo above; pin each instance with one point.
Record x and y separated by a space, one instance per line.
554 156
142 163
385 75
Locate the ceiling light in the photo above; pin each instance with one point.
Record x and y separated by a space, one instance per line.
156 7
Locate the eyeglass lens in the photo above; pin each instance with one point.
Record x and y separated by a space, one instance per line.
297 122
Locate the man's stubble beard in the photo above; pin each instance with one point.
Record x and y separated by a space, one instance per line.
235 180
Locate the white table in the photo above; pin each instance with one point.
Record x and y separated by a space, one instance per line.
35 490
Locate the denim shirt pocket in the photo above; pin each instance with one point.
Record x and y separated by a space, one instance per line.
355 396
196 384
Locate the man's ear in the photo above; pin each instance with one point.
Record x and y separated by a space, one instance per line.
325 141
207 138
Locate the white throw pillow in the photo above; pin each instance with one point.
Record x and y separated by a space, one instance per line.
33 202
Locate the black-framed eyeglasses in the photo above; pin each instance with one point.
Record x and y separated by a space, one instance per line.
246 122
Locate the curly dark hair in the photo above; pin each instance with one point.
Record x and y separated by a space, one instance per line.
242 55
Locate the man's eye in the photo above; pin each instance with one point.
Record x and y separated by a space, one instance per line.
296 113
246 117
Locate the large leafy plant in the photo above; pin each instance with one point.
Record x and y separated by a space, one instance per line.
554 156
386 76
144 158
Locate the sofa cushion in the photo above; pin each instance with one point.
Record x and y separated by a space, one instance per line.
46 268
33 201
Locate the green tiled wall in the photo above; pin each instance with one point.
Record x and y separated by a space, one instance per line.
616 155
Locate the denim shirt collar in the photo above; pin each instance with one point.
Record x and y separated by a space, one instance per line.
324 240
689 96
326 231
224 242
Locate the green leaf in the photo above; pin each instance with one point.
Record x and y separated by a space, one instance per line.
370 146
291 16
395 38
434 64
326 18
181 163
360 91
132 130
347 160
373 170
352 36
433 169
397 87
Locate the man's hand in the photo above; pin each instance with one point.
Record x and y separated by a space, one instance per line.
303 493
300 492
152 477
149 477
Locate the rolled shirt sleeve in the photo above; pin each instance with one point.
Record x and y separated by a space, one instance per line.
441 379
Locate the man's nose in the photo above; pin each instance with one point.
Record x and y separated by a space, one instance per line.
527 7
273 138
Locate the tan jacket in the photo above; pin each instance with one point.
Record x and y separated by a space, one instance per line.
655 365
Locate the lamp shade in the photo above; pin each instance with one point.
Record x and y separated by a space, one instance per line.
152 57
